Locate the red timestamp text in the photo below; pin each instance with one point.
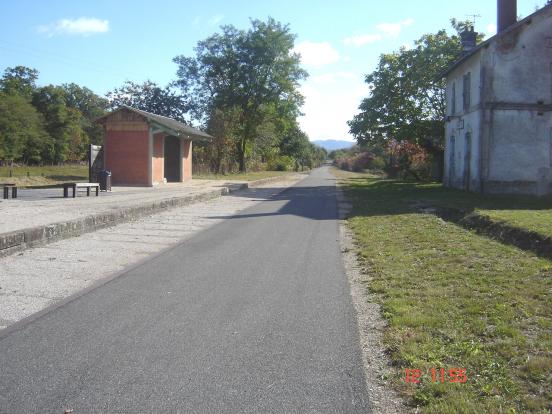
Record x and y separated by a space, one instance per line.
450 375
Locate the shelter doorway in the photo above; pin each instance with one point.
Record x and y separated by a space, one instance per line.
172 159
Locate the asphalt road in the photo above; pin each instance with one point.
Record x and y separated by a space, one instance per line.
252 315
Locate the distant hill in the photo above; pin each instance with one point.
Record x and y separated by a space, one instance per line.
333 144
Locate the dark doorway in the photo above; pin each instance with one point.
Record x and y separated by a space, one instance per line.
172 159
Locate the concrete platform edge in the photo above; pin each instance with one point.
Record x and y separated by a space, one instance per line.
19 240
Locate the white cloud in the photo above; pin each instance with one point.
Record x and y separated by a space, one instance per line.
316 54
83 26
214 20
362 40
394 29
383 31
327 109
332 77
491 29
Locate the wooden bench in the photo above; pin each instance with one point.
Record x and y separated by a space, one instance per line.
78 186
7 187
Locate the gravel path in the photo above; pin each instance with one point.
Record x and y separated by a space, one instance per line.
36 207
40 277
377 366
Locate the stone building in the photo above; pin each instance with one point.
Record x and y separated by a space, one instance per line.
498 131
145 149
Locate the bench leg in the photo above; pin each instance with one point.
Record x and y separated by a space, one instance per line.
65 192
6 193
74 191
88 191
97 191
14 192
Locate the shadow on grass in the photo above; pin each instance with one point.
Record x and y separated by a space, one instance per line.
67 177
397 197
376 197
384 197
391 197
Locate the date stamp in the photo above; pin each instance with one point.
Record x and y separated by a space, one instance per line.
450 375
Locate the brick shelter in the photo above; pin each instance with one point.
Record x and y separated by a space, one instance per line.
145 149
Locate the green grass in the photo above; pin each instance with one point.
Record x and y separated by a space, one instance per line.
249 176
532 213
454 299
47 175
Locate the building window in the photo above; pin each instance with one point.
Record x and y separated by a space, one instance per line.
466 88
453 99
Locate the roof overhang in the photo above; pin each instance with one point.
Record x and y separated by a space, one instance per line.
159 123
526 21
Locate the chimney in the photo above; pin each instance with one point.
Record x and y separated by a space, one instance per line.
506 14
469 39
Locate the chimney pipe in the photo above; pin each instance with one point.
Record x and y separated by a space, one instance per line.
507 14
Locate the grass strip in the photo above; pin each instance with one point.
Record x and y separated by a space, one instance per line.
454 299
249 176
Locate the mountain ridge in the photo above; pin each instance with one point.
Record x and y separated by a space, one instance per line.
333 144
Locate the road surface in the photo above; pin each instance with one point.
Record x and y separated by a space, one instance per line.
252 315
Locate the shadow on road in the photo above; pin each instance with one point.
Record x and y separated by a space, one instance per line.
315 203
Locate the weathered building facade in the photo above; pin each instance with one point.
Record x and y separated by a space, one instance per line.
498 131
145 149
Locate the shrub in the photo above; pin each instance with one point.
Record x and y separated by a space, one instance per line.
281 163
345 164
362 161
408 158
357 162
378 163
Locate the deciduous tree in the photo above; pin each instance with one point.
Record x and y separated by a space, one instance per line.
22 131
61 122
253 70
150 97
90 106
407 94
19 80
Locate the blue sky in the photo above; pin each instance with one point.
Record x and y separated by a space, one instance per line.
100 44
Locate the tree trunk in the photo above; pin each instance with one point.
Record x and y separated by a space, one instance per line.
241 156
242 163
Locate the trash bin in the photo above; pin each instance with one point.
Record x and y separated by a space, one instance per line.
105 180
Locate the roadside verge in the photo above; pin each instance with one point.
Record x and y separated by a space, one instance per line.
371 324
499 230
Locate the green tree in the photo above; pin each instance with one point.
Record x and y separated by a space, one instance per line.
407 100
19 80
90 106
22 133
295 143
62 123
222 125
253 70
149 97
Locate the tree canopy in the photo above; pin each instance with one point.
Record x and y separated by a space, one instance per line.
49 124
252 73
149 97
20 81
241 85
407 94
